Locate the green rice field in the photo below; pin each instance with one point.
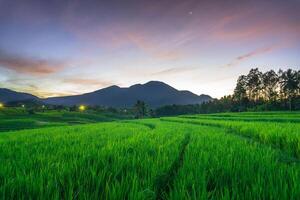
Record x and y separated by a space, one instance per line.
216 156
18 118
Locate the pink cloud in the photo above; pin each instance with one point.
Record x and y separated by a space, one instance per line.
251 54
251 25
29 65
176 70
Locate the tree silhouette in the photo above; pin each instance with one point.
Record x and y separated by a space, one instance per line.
258 87
240 91
270 82
289 83
140 109
254 84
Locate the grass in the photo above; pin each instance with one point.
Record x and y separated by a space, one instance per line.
222 166
186 157
285 136
18 118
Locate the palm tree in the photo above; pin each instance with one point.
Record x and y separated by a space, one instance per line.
289 83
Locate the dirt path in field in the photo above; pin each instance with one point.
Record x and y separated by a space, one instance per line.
283 155
165 182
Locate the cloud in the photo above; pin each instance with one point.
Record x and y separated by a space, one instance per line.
147 44
82 81
166 31
43 94
256 23
118 36
254 53
33 86
174 71
29 65
251 54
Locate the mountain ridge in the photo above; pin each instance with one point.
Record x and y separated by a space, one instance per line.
154 93
7 95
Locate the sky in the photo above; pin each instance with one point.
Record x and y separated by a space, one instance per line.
57 48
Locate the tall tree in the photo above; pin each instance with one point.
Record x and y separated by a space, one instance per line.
240 91
254 84
270 82
289 83
140 109
298 78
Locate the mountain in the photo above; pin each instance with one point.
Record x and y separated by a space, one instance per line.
7 95
154 93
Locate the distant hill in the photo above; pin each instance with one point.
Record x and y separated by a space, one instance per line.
154 93
7 95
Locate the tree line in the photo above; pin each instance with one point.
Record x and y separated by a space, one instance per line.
269 87
256 91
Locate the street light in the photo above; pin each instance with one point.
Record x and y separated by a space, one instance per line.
82 107
1 105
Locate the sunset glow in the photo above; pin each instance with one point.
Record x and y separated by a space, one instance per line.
59 48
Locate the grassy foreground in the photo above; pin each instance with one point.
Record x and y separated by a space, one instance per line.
225 156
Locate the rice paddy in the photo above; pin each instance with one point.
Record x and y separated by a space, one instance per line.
221 156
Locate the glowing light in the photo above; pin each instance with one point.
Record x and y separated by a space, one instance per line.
1 105
23 106
82 107
43 106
